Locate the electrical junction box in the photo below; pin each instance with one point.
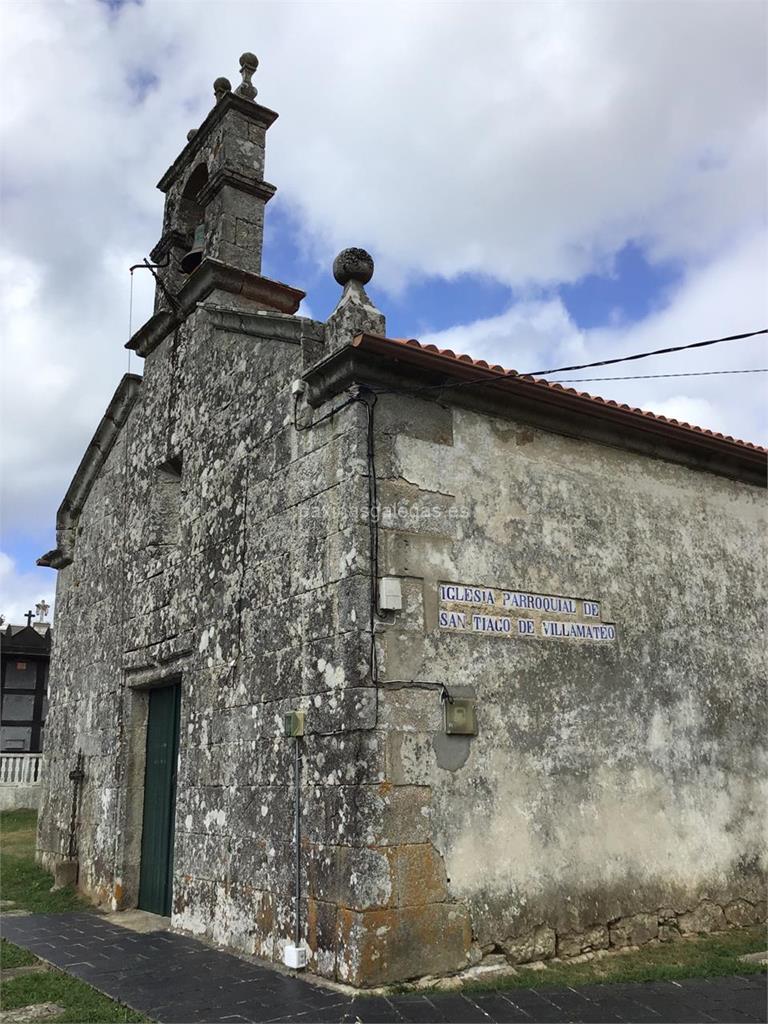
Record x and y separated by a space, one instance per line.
295 956
293 723
460 718
390 594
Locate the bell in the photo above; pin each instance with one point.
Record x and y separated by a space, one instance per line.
192 259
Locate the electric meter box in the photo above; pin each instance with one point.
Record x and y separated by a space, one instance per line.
293 723
460 718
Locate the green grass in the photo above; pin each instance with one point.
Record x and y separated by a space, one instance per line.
13 956
23 882
81 1003
18 821
698 957
28 886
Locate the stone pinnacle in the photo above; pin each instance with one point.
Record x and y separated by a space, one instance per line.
353 265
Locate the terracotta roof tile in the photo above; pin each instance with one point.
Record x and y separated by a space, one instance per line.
449 354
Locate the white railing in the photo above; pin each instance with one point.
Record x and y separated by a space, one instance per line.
19 769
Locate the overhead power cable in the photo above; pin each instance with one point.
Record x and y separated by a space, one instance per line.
655 376
497 378
646 355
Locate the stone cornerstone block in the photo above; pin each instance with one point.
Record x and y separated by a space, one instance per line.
378 947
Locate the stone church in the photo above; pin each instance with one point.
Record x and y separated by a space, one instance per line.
508 633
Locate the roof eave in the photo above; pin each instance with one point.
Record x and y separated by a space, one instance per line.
96 453
372 359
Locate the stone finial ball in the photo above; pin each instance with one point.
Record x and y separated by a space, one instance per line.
191 134
222 85
353 265
249 60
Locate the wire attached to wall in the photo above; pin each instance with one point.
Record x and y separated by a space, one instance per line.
172 301
369 403
315 423
366 397
151 267
130 319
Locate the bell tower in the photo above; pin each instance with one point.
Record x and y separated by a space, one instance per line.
213 223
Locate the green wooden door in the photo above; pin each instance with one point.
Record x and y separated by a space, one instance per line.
155 885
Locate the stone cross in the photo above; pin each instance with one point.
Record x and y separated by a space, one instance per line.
29 618
42 609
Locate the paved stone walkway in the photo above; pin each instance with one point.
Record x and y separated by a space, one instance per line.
177 980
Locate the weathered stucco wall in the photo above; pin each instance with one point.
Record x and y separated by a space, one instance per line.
607 781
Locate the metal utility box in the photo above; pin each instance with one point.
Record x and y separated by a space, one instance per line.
460 718
293 723
390 594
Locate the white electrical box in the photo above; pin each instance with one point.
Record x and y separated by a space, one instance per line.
390 594
295 956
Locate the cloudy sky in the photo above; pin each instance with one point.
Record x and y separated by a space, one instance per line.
540 184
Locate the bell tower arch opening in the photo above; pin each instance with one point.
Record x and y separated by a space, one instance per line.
191 217
191 211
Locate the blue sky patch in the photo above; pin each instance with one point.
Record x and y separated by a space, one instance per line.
141 82
115 5
435 304
634 287
633 290
428 304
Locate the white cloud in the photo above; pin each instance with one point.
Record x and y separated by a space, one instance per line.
540 335
21 591
524 141
690 410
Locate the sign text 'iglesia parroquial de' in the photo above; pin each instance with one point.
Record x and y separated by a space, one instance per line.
517 613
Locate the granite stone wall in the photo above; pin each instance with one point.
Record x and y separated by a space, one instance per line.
246 577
